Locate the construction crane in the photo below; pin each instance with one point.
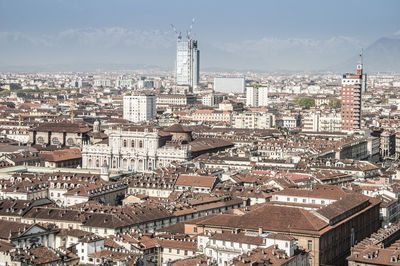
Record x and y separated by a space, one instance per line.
72 110
189 32
179 34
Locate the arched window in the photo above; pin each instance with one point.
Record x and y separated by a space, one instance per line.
125 143
133 143
97 163
140 143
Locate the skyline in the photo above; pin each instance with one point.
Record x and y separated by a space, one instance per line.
287 35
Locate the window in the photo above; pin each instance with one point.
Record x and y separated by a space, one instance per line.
40 140
195 229
309 244
322 201
178 251
169 250
304 200
125 143
288 199
55 141
70 142
186 252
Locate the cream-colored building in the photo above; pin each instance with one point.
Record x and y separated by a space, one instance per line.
140 149
252 120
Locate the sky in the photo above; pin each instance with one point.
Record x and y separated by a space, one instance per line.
262 35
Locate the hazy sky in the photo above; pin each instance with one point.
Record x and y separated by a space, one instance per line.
264 35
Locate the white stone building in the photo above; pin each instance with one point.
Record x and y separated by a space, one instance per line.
139 149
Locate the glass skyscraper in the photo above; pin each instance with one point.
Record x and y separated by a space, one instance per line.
187 63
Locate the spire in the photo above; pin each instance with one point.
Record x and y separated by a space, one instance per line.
360 65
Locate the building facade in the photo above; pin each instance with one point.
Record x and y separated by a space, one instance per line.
59 134
139 149
175 99
254 120
352 85
138 108
317 122
229 84
187 63
256 96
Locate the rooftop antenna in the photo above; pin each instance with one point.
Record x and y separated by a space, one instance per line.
361 55
179 34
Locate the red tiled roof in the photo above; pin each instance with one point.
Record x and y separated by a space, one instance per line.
195 181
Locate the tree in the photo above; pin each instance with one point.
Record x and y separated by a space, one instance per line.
305 102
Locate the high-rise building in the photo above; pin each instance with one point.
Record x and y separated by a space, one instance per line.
139 108
257 96
187 63
352 86
252 96
229 84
